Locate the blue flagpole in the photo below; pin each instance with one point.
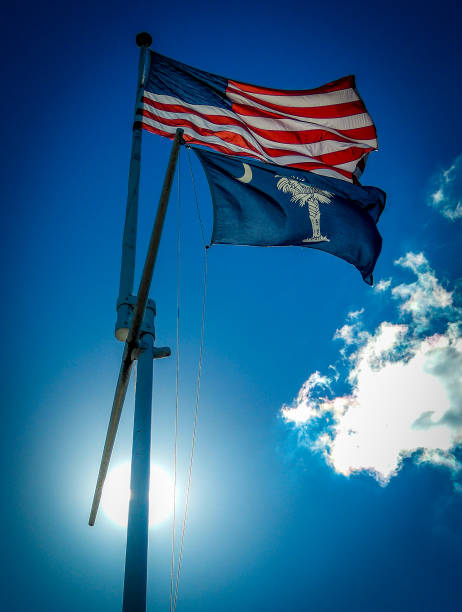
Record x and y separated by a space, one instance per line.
126 301
136 557
135 327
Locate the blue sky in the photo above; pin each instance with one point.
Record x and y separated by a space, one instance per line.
327 468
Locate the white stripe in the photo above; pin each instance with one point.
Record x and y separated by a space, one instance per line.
288 160
302 100
284 160
261 123
311 149
202 121
340 123
171 129
331 173
333 125
288 125
203 109
298 125
286 122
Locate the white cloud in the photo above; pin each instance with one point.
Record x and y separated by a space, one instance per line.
348 333
447 194
405 396
305 409
354 314
421 298
414 261
438 196
382 285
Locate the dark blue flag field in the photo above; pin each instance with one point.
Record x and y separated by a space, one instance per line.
261 204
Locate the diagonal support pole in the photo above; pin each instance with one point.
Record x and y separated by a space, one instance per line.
119 397
131 344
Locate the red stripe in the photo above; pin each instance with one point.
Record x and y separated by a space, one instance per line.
225 135
332 158
343 157
223 149
139 124
346 109
184 118
328 159
347 82
363 133
312 136
367 132
192 140
295 137
250 111
176 108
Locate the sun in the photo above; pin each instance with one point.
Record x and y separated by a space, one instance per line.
115 498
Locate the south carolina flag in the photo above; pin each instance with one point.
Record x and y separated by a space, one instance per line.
262 204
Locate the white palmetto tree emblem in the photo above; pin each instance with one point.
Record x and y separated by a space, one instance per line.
304 194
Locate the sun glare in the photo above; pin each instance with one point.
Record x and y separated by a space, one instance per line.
115 498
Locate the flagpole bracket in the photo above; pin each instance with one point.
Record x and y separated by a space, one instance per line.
159 352
125 308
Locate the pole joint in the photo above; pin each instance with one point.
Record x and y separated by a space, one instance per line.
125 309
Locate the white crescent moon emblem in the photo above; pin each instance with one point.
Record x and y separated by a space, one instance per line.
247 177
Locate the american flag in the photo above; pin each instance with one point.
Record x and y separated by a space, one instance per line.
326 130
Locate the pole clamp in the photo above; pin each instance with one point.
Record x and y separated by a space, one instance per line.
158 352
125 308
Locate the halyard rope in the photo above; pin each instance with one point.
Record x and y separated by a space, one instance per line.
198 387
175 447
196 199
